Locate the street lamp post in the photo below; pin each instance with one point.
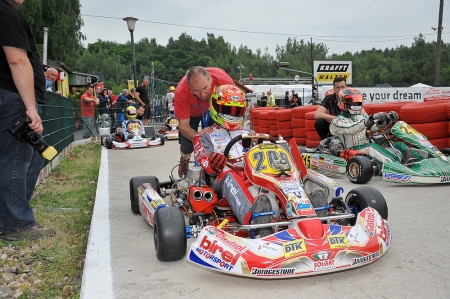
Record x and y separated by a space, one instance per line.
240 67
285 65
131 23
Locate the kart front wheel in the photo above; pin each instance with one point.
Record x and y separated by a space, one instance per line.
446 151
103 138
366 196
169 234
162 138
108 142
359 170
135 183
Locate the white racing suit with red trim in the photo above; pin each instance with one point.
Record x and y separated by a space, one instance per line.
351 129
228 184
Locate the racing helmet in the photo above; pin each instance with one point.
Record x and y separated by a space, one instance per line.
131 113
172 88
350 101
227 107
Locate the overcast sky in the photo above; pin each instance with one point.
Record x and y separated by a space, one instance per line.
350 25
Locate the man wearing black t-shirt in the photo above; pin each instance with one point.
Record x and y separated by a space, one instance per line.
141 96
22 85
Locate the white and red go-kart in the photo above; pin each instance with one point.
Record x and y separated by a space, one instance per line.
135 138
314 229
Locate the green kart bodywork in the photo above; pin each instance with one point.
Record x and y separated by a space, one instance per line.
434 168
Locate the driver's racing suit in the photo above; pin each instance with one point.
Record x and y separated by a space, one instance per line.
351 130
228 183
126 130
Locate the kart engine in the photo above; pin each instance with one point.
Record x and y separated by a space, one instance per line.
331 146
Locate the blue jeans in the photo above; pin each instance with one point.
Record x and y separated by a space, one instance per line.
20 165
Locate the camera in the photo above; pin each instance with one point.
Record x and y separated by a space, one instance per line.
22 131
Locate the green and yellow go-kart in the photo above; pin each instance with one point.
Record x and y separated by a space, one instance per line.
400 154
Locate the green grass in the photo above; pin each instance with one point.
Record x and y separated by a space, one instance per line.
64 201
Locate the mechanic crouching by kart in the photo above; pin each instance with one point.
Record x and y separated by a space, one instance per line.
351 124
131 115
227 109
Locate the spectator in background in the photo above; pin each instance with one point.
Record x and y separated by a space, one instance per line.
250 78
141 95
169 97
140 112
157 108
287 102
122 104
296 78
105 102
88 103
295 101
271 99
50 77
22 86
263 101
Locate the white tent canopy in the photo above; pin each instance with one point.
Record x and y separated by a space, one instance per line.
420 85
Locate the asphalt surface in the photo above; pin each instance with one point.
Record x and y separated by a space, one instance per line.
121 260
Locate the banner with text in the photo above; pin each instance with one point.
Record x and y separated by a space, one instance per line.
326 70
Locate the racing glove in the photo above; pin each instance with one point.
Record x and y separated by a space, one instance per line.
217 161
393 116
380 118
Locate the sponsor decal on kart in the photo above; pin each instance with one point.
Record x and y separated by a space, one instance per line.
338 241
357 236
396 177
293 248
268 247
365 259
267 146
282 271
369 223
210 250
384 233
221 236
292 189
444 179
323 261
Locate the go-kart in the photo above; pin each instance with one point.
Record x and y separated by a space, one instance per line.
170 129
314 229
420 163
135 138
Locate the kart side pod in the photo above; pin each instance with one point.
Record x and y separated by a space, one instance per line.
202 199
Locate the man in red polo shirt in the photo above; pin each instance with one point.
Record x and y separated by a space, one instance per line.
192 98
88 102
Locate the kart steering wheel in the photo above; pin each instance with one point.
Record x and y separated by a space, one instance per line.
256 138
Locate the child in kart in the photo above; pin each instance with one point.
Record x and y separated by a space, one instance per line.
127 130
350 125
227 109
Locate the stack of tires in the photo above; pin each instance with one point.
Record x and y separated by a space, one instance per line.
312 138
264 124
298 123
285 130
273 123
385 107
431 119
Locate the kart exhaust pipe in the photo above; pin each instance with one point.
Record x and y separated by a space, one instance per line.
198 195
208 196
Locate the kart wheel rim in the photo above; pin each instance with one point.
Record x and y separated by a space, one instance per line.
353 170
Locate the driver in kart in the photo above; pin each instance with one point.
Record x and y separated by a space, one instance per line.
131 114
227 109
351 124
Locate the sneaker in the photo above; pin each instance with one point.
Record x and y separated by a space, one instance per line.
260 205
183 167
32 233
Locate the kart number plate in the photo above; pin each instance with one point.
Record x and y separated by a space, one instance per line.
266 160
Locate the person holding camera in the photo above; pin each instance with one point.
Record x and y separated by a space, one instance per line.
22 85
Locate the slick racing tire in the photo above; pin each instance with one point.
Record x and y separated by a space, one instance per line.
359 170
169 234
135 183
363 197
163 139
103 139
108 142
446 151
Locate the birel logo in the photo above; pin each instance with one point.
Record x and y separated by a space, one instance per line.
444 179
295 247
285 271
396 177
370 224
232 189
338 241
366 258
227 260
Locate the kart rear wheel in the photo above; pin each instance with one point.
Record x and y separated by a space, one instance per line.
135 183
103 139
169 234
359 170
162 138
108 142
363 197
